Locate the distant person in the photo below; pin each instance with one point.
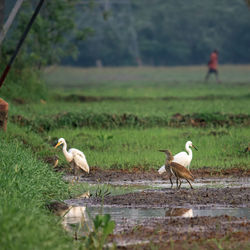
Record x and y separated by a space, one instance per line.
213 65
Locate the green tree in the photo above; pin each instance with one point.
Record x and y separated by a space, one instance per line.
54 34
172 32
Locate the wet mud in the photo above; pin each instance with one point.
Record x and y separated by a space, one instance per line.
184 197
213 215
105 175
182 233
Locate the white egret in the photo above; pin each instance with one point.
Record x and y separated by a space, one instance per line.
75 157
183 158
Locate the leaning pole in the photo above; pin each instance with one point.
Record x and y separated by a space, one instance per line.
3 104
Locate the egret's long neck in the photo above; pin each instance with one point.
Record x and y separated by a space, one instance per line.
65 152
190 154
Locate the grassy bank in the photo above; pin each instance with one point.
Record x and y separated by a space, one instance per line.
26 184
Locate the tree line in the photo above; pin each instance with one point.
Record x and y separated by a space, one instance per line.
172 32
132 32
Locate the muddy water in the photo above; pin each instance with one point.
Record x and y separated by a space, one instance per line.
134 216
142 213
214 204
208 182
231 198
199 182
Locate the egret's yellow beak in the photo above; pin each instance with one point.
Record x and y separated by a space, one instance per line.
58 144
194 147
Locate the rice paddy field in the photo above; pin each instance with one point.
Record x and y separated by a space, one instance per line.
120 118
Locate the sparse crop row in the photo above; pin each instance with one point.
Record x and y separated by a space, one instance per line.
109 121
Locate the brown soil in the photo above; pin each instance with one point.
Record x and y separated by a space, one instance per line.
189 233
184 197
177 232
97 174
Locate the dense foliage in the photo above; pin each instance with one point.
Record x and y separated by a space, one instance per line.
53 35
132 32
161 32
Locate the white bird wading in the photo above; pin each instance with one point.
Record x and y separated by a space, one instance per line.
183 158
74 157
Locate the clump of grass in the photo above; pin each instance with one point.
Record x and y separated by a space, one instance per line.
103 227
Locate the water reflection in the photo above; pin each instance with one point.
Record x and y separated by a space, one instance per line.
183 212
75 219
84 195
121 214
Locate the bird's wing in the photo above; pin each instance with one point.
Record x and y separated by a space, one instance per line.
80 159
184 172
181 158
162 169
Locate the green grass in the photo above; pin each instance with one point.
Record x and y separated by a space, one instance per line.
104 82
127 148
138 93
26 184
146 107
219 148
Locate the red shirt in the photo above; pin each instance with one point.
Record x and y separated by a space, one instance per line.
213 63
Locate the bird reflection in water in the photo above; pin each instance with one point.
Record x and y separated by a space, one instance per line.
74 218
182 212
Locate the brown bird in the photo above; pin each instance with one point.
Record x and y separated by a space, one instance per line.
176 169
183 212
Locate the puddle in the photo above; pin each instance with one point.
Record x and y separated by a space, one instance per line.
120 213
221 204
78 217
208 182
75 219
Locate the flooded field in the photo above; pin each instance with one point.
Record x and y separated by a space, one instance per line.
155 213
